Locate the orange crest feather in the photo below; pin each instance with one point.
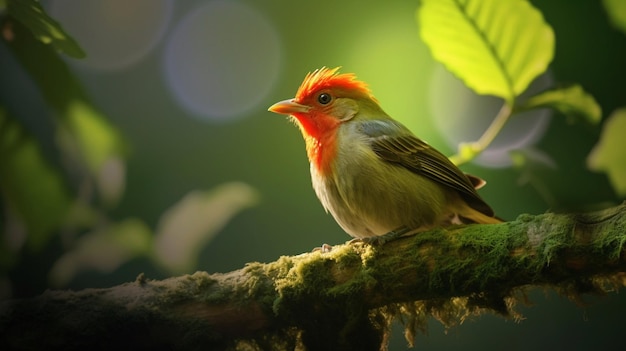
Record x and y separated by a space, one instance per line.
325 78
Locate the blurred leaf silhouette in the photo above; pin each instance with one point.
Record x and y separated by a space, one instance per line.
608 155
192 222
43 27
91 149
184 229
103 249
68 191
616 9
86 139
35 193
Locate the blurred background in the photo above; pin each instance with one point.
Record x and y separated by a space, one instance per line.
159 155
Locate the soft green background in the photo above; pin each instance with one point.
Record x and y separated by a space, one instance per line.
172 151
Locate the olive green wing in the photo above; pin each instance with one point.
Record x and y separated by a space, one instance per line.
417 156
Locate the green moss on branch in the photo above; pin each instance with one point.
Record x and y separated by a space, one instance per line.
343 299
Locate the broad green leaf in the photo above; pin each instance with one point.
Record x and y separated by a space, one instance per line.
186 227
609 154
571 101
616 9
497 47
43 27
33 190
88 140
104 250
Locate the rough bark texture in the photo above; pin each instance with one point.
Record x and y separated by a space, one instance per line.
344 299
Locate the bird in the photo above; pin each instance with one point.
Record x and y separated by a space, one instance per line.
370 172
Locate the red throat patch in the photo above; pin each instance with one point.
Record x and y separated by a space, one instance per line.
322 150
318 125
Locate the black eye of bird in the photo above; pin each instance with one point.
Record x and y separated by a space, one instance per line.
324 98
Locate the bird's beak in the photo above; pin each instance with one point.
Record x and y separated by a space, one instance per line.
288 107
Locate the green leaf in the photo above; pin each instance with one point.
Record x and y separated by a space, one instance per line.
616 9
496 47
43 27
571 100
104 250
186 227
608 155
33 190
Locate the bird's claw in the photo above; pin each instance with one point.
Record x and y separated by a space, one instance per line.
382 239
325 248
371 240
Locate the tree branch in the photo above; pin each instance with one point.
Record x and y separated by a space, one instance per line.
342 299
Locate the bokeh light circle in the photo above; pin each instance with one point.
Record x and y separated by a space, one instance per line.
462 116
222 60
114 33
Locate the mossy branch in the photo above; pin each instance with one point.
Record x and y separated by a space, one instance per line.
344 299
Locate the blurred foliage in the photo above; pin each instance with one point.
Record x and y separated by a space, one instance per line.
609 154
36 198
45 29
44 198
104 249
616 9
87 140
191 223
43 195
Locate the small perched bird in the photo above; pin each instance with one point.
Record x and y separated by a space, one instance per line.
368 170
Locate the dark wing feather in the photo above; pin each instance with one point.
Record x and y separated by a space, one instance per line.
419 157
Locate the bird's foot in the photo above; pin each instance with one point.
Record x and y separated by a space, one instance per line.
325 248
382 239
372 240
